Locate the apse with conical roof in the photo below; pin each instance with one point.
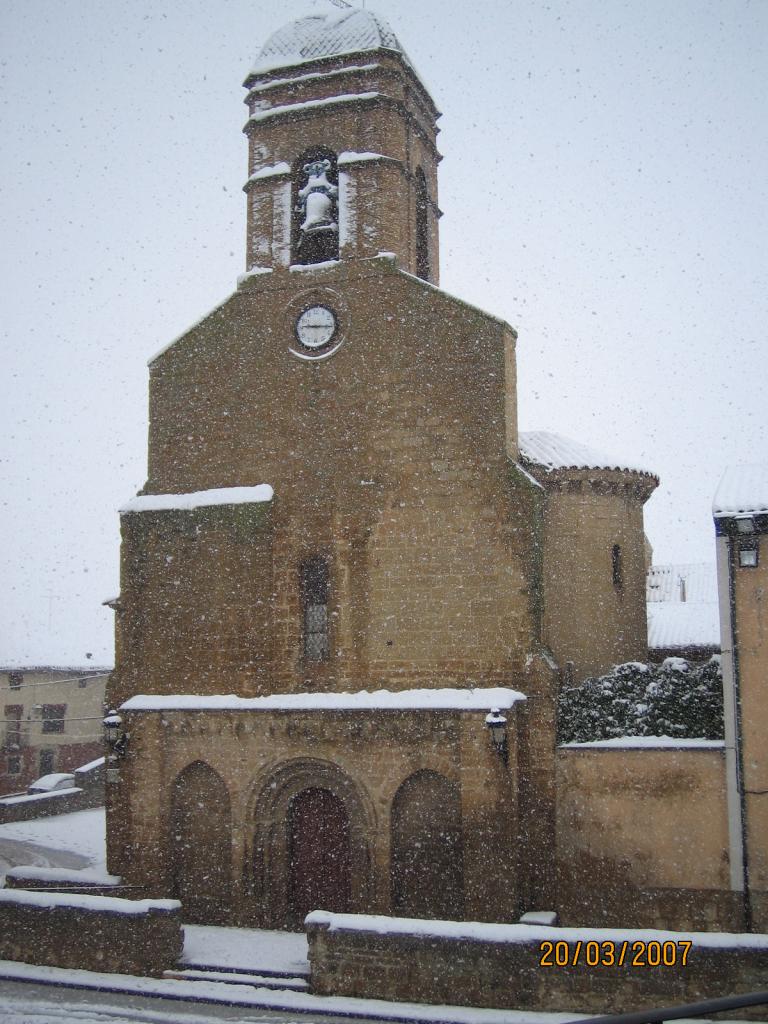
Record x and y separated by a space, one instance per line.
342 148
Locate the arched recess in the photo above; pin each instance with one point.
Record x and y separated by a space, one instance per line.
315 207
277 804
427 866
201 845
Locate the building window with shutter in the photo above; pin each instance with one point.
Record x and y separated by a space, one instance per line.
53 717
15 680
13 713
314 600
47 762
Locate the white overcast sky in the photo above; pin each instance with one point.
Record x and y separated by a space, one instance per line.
604 189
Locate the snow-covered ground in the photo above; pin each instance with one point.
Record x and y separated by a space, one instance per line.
246 949
76 840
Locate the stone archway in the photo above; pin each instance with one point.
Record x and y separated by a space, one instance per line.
285 801
200 845
427 850
319 855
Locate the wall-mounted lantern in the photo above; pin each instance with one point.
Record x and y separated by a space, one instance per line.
497 727
117 744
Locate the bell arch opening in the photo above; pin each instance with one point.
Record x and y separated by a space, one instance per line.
315 207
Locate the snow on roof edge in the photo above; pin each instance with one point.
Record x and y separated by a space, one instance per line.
552 451
438 699
743 490
192 326
450 295
682 625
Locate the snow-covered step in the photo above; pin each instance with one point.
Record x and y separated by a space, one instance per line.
296 971
232 976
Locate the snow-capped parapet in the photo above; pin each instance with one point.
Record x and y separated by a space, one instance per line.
198 499
379 700
65 876
522 933
646 743
743 490
325 35
253 274
349 157
273 171
112 904
553 451
298 268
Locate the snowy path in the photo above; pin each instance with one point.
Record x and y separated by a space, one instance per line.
74 840
246 949
42 1004
17 853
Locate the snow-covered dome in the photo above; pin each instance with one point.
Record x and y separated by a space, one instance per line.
323 35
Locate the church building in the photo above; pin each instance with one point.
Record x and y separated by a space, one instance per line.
350 588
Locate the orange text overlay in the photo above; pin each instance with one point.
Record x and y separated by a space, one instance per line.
612 953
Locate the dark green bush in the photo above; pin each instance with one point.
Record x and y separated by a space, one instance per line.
672 699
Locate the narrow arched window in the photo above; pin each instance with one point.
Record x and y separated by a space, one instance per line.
314 602
617 567
422 225
315 207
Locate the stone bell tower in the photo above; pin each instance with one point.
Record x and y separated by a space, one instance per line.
327 582
342 148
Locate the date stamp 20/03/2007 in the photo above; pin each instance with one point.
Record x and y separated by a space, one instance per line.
612 953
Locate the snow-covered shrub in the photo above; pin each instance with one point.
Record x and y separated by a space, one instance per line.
671 699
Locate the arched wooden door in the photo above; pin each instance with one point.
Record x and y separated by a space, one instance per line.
427 849
319 861
201 845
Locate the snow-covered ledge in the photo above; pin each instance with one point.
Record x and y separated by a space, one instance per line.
198 499
476 699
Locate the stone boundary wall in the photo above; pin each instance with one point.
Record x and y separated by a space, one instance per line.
88 791
91 933
483 965
43 805
642 836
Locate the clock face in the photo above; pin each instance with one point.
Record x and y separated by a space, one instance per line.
316 327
